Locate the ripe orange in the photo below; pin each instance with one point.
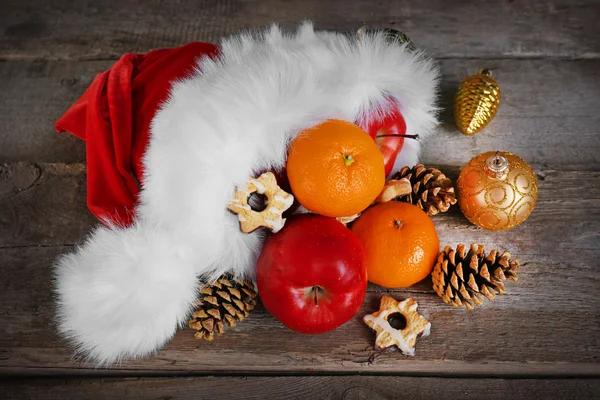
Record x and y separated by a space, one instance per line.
335 169
401 244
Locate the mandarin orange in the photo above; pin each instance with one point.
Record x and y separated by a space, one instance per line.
401 244
335 169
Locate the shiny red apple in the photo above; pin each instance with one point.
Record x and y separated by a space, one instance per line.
311 275
388 132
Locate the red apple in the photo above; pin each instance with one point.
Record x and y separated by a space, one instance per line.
311 275
388 132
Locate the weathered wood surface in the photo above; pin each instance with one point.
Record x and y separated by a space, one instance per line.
549 324
42 205
549 112
105 29
33 96
300 388
546 57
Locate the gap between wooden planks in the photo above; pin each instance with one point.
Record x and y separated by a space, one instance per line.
548 325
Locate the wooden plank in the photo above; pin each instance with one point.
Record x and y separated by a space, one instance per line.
547 105
44 204
33 96
299 388
546 114
548 325
35 29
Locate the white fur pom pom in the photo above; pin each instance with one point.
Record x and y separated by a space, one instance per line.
123 293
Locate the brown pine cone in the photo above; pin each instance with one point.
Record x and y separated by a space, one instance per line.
432 191
464 278
226 299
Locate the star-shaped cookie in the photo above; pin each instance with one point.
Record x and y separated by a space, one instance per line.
387 335
277 202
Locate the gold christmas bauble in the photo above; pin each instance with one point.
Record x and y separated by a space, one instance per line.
497 190
476 102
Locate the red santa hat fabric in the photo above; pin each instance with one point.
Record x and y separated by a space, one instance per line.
114 116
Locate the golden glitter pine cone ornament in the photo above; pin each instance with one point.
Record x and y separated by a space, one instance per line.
465 278
225 300
476 102
430 189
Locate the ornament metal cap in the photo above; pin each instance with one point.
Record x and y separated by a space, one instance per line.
497 165
485 71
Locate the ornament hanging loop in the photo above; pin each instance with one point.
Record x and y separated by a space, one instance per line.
485 71
496 166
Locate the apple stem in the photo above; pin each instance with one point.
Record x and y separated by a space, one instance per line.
316 295
416 137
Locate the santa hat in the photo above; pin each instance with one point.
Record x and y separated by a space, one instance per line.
172 133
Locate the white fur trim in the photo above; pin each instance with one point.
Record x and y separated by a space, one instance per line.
125 291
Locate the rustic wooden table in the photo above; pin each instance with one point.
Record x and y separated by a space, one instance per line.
546 55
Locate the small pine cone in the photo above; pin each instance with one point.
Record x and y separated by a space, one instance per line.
465 279
432 191
225 300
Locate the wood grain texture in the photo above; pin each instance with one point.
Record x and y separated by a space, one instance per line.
549 324
300 388
33 96
36 29
546 105
546 57
547 114
43 205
